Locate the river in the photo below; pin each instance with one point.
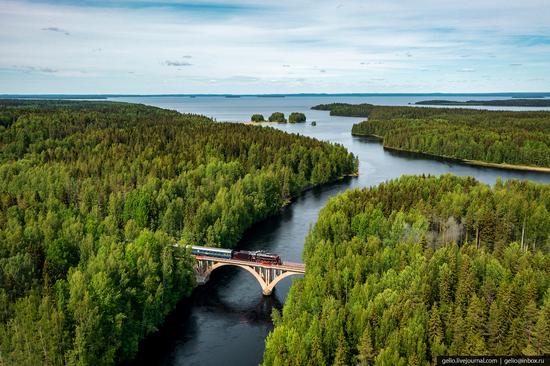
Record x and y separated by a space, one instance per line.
227 320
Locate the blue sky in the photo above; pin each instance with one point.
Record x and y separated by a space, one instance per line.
170 46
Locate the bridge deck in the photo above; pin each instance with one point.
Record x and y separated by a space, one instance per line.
287 266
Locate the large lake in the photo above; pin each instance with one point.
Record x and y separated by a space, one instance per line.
227 320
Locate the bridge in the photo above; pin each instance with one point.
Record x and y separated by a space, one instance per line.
268 275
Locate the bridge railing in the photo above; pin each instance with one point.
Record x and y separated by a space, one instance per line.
285 265
294 264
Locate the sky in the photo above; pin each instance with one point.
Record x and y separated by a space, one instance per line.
283 46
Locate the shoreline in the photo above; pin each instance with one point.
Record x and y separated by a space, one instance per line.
270 122
478 163
290 200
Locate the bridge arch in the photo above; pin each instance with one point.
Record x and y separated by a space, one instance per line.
249 269
276 280
267 282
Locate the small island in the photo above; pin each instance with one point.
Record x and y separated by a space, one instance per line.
257 118
296 117
490 103
279 117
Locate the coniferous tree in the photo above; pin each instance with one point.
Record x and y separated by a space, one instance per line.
365 348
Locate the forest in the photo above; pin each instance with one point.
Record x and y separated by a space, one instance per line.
500 137
495 103
419 267
94 197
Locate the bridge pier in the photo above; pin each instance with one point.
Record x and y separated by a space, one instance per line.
202 272
267 275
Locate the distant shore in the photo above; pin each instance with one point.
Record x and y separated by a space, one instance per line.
503 166
532 102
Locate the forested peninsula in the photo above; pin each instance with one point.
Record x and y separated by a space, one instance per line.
503 139
93 197
419 267
494 103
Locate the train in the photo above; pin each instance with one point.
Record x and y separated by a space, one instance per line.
260 256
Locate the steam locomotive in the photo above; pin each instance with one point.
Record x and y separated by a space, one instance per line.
260 256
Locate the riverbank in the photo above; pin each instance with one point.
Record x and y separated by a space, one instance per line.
478 163
260 123
309 188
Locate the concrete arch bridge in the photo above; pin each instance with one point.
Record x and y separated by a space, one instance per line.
267 275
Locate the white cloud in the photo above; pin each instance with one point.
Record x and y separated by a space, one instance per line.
177 63
57 30
393 43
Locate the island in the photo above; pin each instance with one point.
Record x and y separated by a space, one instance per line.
257 118
95 200
296 117
279 117
501 139
345 109
417 268
493 103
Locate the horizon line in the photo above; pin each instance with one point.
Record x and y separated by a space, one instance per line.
107 95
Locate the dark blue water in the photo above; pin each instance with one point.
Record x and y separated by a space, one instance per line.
227 320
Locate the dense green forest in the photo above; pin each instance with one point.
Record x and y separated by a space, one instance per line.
419 267
93 197
496 103
500 137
